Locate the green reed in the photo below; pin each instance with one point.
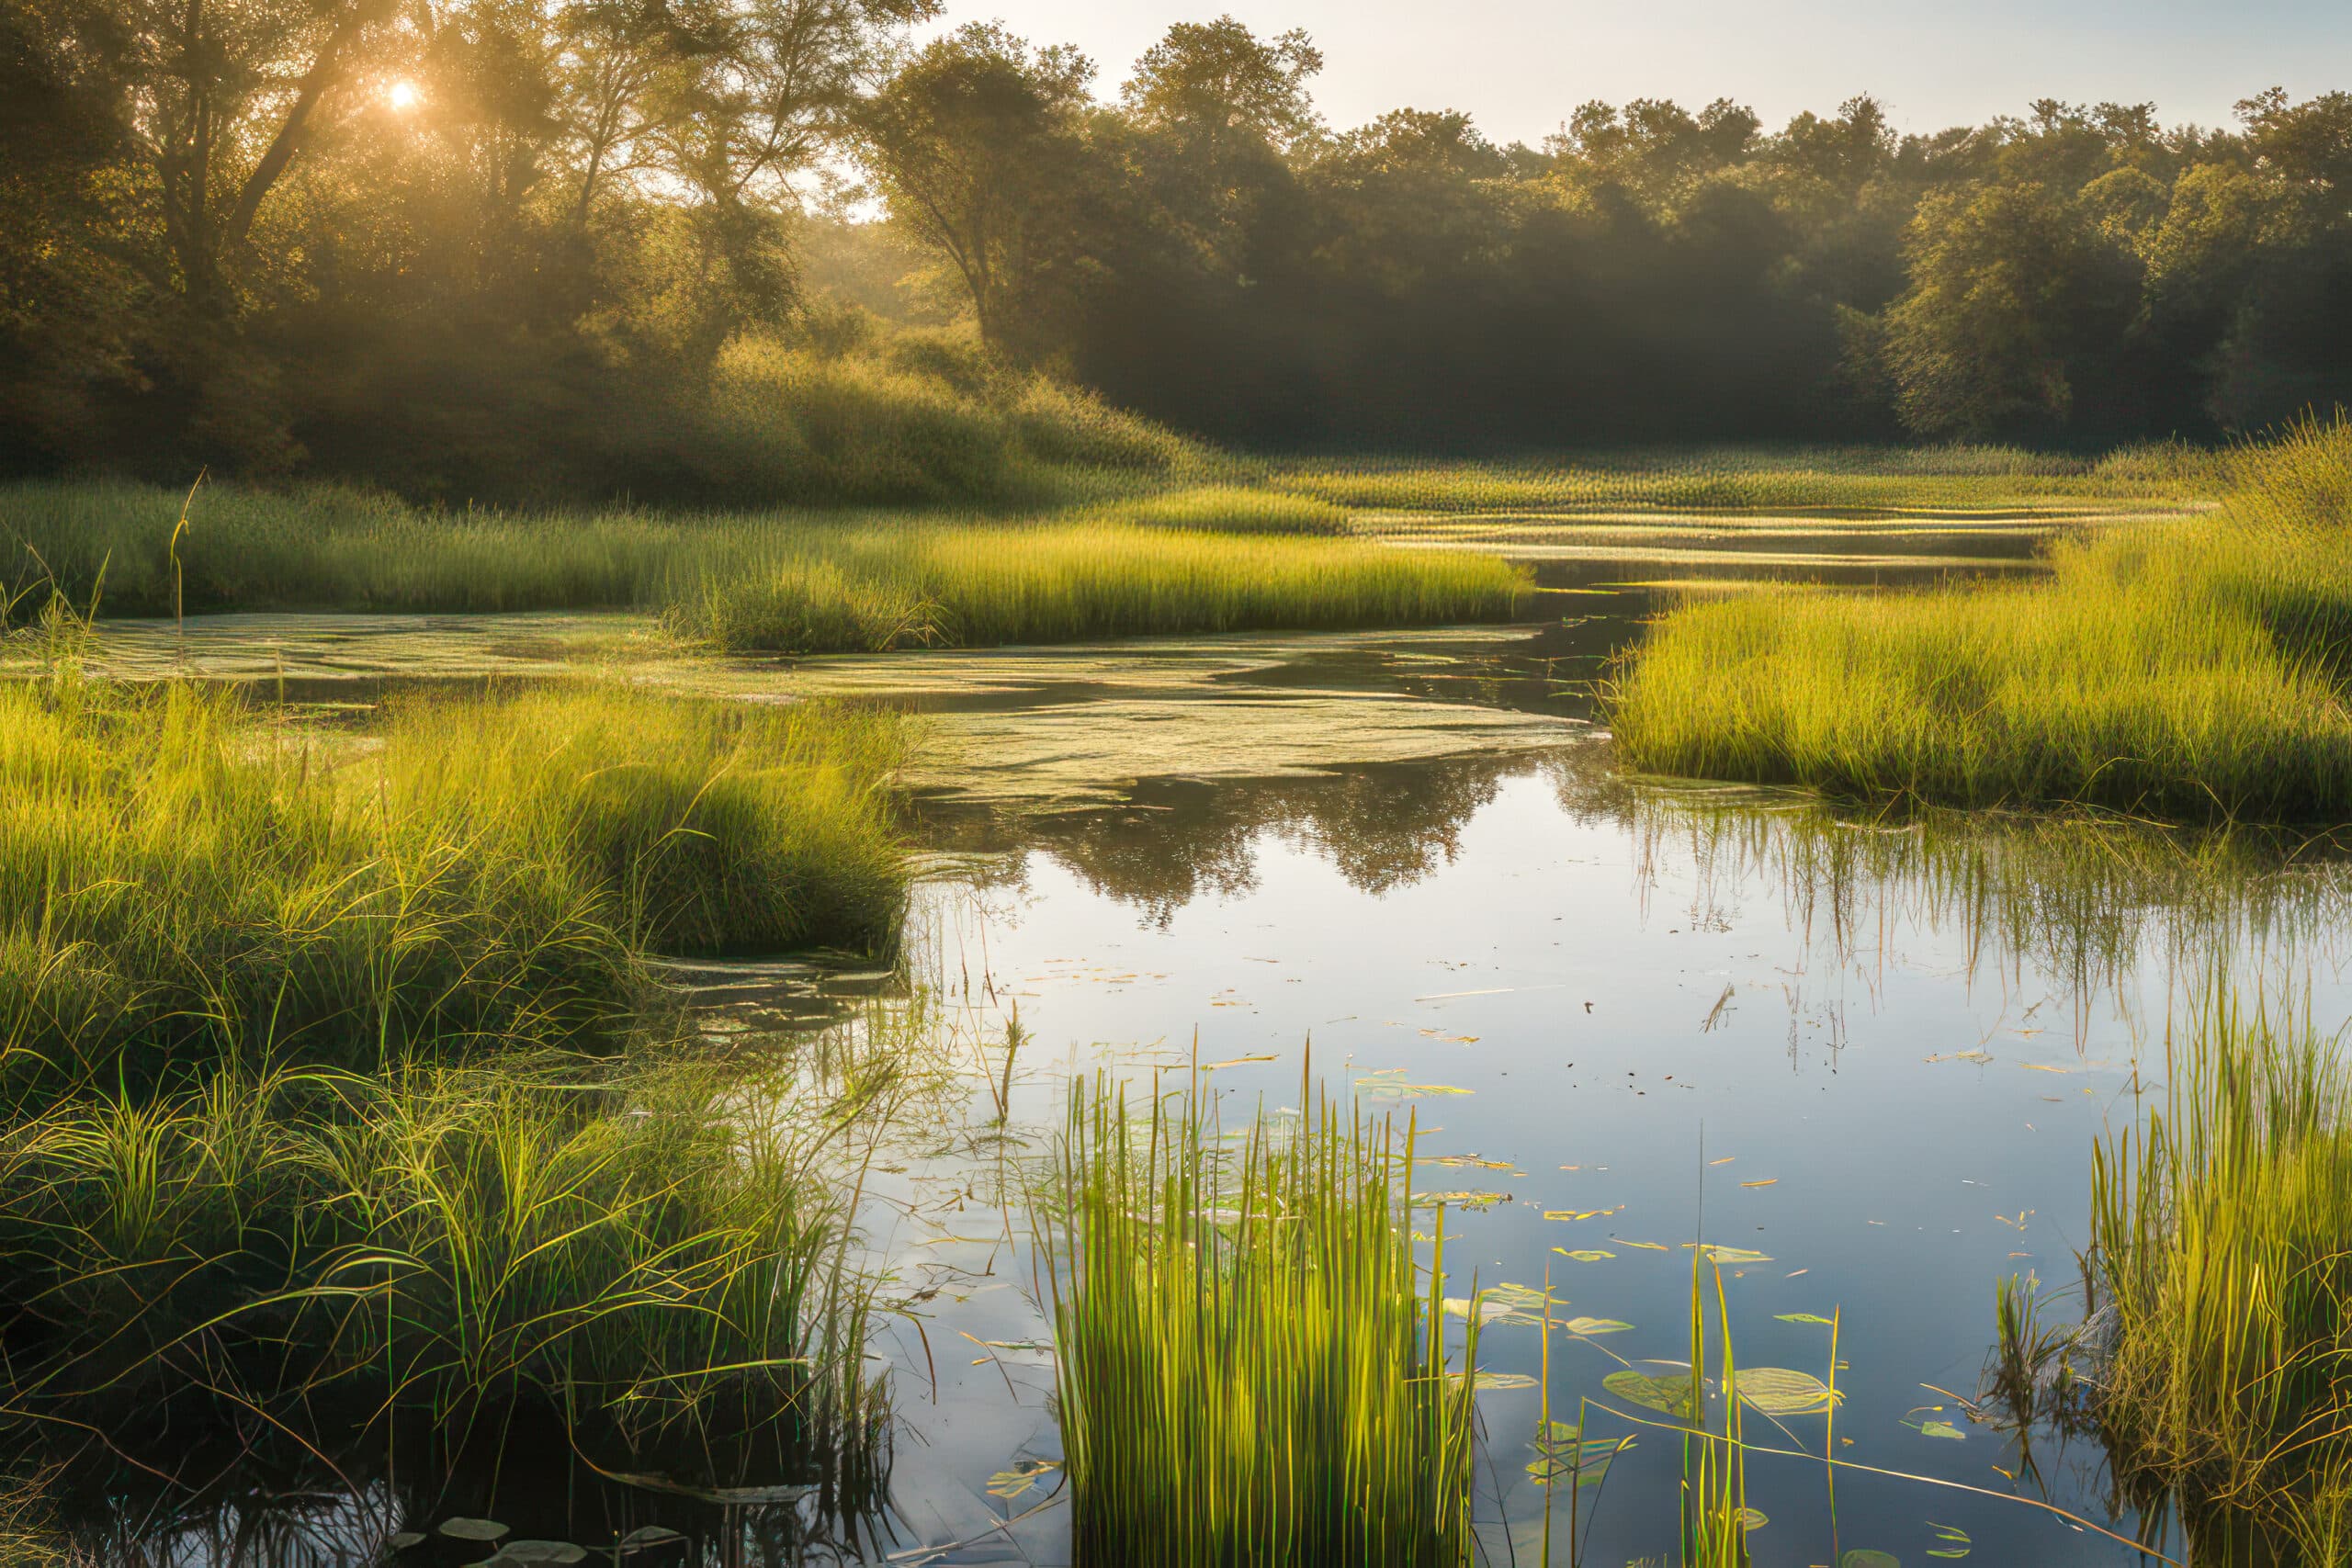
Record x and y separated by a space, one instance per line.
636 1242
2181 668
182 885
975 586
1250 1369
2222 1282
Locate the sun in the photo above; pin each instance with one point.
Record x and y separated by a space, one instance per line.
403 96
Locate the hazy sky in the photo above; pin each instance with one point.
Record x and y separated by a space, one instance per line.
1519 66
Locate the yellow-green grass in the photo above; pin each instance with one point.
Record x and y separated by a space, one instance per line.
1848 478
2222 1283
2184 669
975 586
1248 1369
798 580
180 885
631 1242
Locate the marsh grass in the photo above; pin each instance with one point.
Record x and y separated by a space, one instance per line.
181 886
2180 670
646 1243
783 580
2223 1281
977 586
1248 1369
1734 479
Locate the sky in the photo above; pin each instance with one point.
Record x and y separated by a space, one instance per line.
1518 67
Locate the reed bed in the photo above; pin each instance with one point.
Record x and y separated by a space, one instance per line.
1250 1370
2222 1285
2181 670
797 580
631 1243
974 586
180 887
1848 478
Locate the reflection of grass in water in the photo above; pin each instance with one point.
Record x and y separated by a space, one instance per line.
2185 669
1750 478
2077 896
1248 1371
641 1244
176 885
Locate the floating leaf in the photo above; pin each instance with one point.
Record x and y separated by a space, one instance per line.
1581 1213
1489 1382
1867 1559
1957 1544
1778 1391
1584 1255
1714 1253
1584 1326
1566 1453
1752 1519
1235 1062
472 1529
1459 1200
1811 1317
1644 1245
1391 1084
1671 1395
1456 1161
1941 1429
1011 1484
539 1554
1768 1182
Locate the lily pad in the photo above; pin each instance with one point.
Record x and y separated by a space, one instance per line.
539 1554
1870 1559
1942 1430
1779 1391
1584 1326
1670 1395
473 1530
1566 1454
406 1539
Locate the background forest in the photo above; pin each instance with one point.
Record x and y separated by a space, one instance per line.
692 249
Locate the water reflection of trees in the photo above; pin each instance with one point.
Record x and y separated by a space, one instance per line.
1380 827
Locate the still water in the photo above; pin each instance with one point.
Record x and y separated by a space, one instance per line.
1866 1060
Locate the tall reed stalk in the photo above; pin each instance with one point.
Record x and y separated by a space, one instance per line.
1250 1372
2219 1250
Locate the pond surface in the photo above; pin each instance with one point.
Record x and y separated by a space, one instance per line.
1867 1062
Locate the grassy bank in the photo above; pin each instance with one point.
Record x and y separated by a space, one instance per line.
1198 559
179 886
1248 1371
2184 669
1738 479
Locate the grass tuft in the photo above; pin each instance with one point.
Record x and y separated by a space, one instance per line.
2183 669
1248 1370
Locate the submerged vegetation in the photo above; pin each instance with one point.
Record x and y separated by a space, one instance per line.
2182 669
1249 1369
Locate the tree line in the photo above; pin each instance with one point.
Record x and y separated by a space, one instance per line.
289 234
